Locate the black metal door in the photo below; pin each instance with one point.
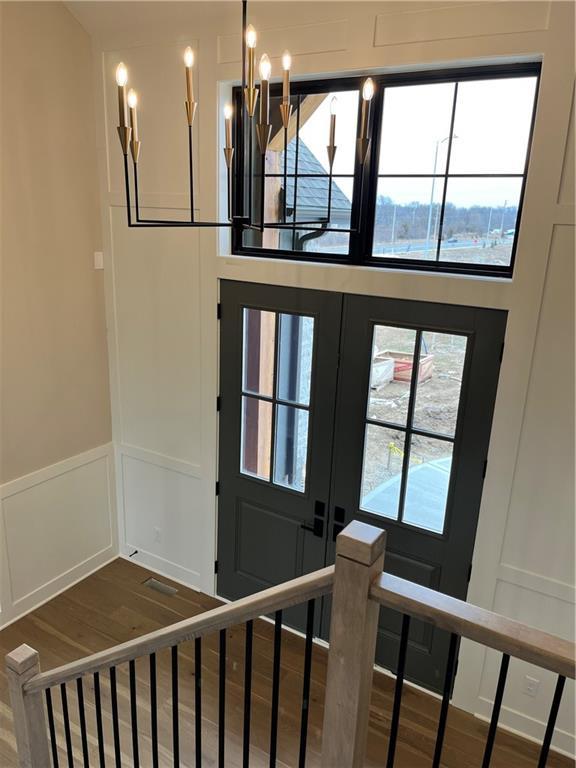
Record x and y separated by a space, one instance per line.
278 363
416 391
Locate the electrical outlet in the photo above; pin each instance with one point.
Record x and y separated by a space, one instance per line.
157 535
98 260
531 685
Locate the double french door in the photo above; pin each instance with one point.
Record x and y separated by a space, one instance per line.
337 407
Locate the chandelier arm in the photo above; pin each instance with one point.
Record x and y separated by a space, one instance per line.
191 171
136 200
301 225
285 201
329 212
127 188
263 193
188 224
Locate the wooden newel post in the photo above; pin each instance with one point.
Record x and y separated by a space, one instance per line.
27 709
353 626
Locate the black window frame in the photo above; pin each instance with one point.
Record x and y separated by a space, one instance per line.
363 209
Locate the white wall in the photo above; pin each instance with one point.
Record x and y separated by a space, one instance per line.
162 290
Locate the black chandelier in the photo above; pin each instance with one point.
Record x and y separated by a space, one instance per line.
235 163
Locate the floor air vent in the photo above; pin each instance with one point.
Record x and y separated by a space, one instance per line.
160 587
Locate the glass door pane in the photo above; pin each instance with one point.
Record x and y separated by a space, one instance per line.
277 353
413 403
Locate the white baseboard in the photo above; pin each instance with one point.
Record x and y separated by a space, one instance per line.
528 727
57 526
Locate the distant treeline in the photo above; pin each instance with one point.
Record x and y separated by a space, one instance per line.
412 220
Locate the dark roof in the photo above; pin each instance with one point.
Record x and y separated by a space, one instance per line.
312 192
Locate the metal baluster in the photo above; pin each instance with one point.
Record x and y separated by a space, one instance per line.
52 729
275 687
153 711
306 684
175 713
134 713
222 701
448 681
398 691
496 710
198 698
115 724
66 718
247 692
99 725
82 716
551 721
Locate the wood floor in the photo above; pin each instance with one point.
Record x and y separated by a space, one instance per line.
113 606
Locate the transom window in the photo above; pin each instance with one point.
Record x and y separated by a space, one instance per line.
441 188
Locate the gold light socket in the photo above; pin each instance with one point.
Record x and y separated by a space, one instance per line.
331 150
285 112
135 150
362 146
251 97
190 110
263 132
124 132
228 155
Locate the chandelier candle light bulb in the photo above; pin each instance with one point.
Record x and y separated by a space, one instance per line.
333 109
189 63
133 104
251 94
285 106
331 148
135 142
265 72
124 130
121 80
190 103
228 125
286 65
367 93
363 142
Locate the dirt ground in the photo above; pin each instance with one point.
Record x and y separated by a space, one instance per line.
435 409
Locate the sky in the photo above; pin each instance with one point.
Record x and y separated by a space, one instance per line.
491 131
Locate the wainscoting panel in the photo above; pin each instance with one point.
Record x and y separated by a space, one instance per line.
520 711
163 519
451 21
58 525
324 37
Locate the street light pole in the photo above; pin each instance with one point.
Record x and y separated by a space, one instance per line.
429 227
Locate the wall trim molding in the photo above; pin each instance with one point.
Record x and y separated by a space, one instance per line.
38 476
527 727
536 582
161 460
14 608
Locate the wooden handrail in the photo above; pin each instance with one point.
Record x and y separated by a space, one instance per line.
467 620
283 596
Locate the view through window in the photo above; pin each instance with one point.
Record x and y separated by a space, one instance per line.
441 189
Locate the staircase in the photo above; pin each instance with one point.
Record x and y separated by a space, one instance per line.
358 588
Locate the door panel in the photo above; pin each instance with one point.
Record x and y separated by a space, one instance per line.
279 355
416 390
337 407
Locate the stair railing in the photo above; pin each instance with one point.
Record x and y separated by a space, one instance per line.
359 588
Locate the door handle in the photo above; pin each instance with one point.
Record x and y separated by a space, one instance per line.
339 521
317 527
